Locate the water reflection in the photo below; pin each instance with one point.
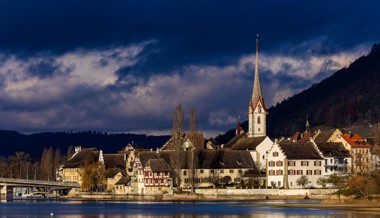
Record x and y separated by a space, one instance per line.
120 209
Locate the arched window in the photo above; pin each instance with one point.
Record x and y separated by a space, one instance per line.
258 120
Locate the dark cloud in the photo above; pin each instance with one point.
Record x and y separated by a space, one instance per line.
181 34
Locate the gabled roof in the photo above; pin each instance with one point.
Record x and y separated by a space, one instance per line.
299 151
332 149
114 161
300 137
158 165
184 138
83 157
247 143
204 159
324 136
123 180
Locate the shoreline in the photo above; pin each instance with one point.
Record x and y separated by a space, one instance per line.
328 202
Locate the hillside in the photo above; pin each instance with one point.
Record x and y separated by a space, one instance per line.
349 96
11 141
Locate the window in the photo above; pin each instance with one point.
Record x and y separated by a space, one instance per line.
299 172
231 171
221 171
184 172
279 163
279 172
271 163
290 172
304 163
275 154
291 163
317 163
240 171
317 172
271 172
309 172
258 120
201 171
211 171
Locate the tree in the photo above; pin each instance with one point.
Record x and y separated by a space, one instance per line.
57 160
177 140
46 165
303 181
196 139
322 181
93 177
335 179
19 163
362 186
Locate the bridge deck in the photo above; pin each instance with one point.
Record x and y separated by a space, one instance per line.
37 183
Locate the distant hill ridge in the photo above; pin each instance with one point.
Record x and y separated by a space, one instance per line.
12 141
349 96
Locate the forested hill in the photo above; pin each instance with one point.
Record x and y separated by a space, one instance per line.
11 141
349 96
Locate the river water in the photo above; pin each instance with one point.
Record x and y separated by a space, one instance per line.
119 209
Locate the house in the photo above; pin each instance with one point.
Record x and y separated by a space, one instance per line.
337 159
71 170
216 167
257 146
360 150
123 186
157 176
287 162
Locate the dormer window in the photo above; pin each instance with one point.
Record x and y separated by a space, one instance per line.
238 162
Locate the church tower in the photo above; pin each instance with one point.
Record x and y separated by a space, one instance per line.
257 113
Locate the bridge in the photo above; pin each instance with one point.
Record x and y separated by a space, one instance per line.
8 182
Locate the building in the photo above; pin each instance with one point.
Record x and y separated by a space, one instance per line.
71 171
255 140
256 109
337 159
287 162
360 151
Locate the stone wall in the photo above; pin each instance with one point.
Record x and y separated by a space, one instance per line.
283 192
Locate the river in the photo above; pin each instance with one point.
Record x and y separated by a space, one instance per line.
119 209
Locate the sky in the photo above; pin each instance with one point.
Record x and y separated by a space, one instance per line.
124 65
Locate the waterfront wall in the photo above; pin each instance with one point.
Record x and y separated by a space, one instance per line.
245 192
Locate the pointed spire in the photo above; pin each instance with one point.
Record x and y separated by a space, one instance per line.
256 94
307 123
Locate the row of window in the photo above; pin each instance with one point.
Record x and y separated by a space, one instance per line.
156 181
156 174
201 171
294 172
293 163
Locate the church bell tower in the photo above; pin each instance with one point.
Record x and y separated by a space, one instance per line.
256 110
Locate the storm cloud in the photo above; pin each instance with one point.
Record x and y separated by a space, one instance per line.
124 65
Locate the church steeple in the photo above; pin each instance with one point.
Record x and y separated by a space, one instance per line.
256 93
256 110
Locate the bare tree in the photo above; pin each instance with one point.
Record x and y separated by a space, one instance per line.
46 168
197 141
57 160
177 140
18 164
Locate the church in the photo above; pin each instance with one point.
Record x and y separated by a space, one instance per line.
255 140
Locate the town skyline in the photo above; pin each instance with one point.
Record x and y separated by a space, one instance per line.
123 67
